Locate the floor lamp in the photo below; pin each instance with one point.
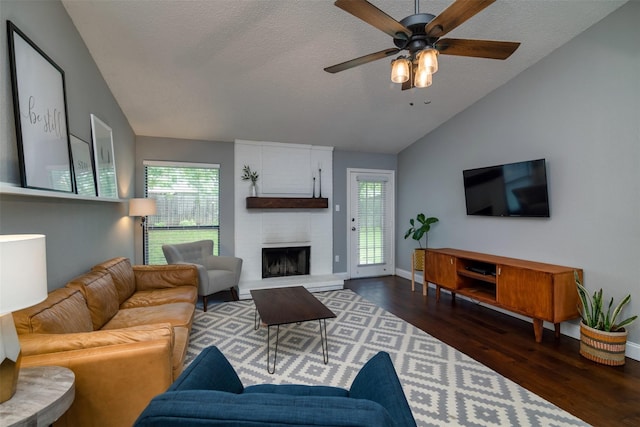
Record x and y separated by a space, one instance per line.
142 207
23 283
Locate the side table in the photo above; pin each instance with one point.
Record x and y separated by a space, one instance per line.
43 394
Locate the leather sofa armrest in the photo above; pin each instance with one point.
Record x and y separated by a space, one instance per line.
149 277
139 362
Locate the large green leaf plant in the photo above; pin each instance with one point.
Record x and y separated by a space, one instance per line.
420 226
593 314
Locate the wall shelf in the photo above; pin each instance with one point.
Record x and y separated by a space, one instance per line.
287 203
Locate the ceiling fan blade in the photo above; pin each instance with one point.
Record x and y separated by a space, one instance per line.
454 15
373 16
361 60
476 48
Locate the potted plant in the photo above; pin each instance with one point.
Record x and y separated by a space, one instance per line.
420 226
249 175
602 338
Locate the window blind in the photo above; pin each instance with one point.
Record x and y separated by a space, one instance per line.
188 205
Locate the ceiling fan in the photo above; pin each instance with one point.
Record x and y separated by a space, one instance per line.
419 34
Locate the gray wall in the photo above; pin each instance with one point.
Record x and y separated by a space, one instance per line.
579 108
79 233
341 161
183 150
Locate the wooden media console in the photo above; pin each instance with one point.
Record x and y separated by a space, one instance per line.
544 292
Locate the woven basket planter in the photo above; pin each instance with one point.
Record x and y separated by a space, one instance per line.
603 347
418 259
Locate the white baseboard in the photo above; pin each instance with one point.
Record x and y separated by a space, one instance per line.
569 328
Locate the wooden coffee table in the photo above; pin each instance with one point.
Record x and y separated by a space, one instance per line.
282 306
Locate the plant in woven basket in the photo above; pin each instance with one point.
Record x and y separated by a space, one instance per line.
593 314
420 226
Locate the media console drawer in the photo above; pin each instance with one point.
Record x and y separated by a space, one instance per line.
544 292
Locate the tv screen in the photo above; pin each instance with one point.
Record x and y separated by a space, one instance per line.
514 189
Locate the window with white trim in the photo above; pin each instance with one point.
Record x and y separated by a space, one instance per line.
188 205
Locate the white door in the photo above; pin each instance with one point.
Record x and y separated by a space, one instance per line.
370 222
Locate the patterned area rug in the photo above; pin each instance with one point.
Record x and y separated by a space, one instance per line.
444 387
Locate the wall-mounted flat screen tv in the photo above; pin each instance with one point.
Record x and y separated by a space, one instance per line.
514 189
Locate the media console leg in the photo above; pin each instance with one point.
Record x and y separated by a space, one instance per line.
557 328
437 292
537 329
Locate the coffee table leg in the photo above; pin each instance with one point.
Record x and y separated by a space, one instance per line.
275 353
256 320
325 341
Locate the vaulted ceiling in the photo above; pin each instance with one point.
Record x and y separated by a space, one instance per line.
221 70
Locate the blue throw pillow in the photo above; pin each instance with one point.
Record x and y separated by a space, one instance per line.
378 381
209 371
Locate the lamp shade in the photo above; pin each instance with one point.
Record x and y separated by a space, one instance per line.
423 78
23 271
428 60
142 207
400 70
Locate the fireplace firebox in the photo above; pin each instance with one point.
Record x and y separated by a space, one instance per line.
285 261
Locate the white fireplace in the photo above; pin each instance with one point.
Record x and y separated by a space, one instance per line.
285 170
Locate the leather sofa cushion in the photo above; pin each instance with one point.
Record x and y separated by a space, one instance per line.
33 344
177 313
149 277
162 296
64 311
101 296
122 275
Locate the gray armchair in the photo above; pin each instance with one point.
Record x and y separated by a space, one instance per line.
216 273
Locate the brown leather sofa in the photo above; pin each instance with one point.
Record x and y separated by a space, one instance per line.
123 330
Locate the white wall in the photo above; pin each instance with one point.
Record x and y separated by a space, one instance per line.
580 109
79 233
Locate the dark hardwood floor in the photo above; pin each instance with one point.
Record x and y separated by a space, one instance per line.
600 395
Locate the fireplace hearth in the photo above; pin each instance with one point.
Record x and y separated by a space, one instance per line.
285 261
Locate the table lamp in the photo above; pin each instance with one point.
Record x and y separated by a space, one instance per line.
23 283
142 207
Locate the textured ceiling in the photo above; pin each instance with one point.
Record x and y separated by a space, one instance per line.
221 70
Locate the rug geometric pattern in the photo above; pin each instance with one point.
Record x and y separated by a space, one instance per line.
444 387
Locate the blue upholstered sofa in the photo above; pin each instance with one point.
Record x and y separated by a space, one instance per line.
210 393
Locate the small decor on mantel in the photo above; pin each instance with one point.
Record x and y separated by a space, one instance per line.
249 175
601 338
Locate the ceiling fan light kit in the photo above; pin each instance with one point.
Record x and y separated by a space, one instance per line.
419 34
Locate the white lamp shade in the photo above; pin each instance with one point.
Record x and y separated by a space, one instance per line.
400 70
23 271
142 207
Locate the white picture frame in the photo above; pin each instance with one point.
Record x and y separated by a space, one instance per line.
104 158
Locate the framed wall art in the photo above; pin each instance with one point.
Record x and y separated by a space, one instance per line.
104 158
40 110
83 169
